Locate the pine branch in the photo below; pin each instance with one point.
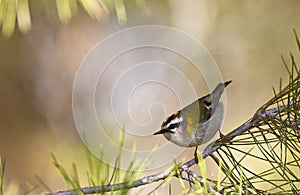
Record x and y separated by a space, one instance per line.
126 185
208 151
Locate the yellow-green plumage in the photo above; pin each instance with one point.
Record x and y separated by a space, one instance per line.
196 123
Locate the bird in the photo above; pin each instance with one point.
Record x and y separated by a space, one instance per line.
196 123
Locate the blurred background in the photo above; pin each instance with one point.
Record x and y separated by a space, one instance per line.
43 48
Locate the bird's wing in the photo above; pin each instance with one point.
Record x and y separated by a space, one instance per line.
197 113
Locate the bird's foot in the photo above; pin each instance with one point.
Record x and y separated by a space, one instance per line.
221 134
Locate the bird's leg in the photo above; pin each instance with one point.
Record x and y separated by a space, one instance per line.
221 134
195 155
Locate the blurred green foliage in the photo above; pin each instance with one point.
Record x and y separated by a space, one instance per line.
19 10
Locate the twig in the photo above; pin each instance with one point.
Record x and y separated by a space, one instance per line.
200 179
208 151
124 185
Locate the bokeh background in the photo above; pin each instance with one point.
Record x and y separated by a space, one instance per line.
37 70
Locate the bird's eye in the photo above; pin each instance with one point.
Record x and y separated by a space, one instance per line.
173 126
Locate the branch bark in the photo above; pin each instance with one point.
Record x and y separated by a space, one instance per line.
208 151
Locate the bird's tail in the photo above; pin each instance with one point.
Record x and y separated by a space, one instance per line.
218 91
220 88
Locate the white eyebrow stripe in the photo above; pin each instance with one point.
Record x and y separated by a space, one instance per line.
175 121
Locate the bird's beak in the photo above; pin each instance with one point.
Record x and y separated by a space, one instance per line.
162 131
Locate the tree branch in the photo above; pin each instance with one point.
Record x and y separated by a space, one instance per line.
208 151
